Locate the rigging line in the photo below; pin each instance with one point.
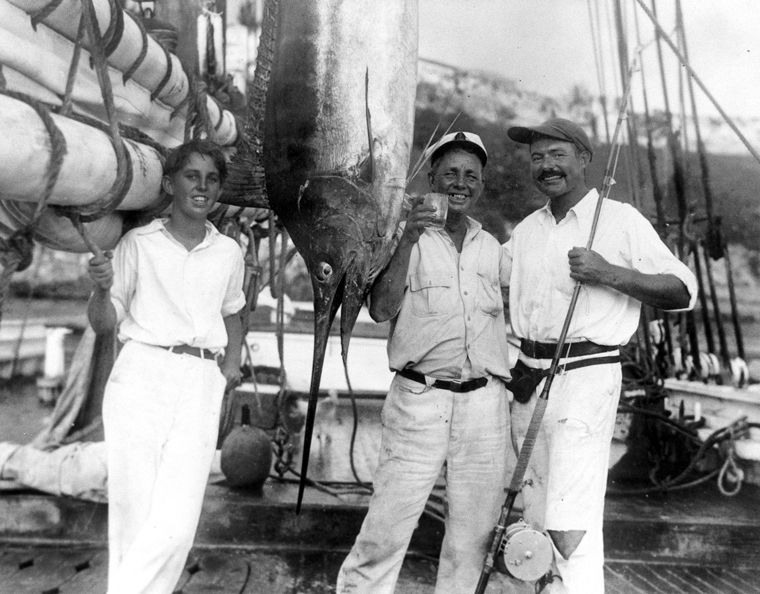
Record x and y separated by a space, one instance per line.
698 134
683 117
651 152
595 43
699 82
604 79
610 27
635 169
673 147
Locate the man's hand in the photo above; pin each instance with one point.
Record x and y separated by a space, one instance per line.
100 270
420 216
588 267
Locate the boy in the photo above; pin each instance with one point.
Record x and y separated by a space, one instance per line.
175 292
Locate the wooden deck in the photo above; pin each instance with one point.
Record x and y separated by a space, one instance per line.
690 541
83 571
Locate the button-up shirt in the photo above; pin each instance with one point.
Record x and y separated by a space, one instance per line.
165 295
540 283
451 320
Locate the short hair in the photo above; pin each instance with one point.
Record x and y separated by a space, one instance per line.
179 156
436 159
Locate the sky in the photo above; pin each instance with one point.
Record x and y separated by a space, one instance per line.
548 47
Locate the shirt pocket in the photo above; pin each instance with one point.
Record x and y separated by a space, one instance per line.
489 298
429 293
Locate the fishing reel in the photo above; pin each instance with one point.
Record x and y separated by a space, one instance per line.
524 552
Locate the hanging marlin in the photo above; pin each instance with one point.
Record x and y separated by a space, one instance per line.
338 134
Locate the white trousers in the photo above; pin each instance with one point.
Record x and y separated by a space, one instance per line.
161 418
423 430
566 478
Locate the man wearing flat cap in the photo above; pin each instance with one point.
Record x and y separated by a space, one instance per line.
447 407
629 265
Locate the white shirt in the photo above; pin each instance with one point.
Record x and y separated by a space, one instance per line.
540 283
165 295
451 321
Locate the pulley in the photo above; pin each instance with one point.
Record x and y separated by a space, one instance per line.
524 552
739 372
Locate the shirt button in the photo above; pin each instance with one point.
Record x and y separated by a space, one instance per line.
465 292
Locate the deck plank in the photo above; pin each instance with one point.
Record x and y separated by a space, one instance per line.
93 578
11 561
269 573
218 573
680 580
48 570
745 580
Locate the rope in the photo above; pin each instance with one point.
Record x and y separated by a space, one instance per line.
67 103
124 172
143 49
730 473
38 16
115 31
167 75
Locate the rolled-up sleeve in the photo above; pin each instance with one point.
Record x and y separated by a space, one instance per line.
650 255
234 298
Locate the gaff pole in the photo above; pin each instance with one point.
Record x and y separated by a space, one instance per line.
538 413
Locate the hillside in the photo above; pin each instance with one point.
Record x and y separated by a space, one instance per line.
489 104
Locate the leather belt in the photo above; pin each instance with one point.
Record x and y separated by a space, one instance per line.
546 350
450 385
185 349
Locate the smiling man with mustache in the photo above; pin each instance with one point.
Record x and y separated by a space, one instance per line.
566 480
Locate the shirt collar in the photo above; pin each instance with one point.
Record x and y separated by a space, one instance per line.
159 224
583 211
473 228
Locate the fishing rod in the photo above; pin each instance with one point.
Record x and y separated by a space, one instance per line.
689 336
501 533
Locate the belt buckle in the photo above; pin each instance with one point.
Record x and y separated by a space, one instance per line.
456 385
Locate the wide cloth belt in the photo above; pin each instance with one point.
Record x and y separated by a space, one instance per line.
546 350
451 385
525 379
184 349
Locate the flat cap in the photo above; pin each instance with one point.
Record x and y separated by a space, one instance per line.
558 128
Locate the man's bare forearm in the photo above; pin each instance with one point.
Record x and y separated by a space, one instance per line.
663 291
101 312
234 327
388 288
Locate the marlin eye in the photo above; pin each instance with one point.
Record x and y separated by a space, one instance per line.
324 271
